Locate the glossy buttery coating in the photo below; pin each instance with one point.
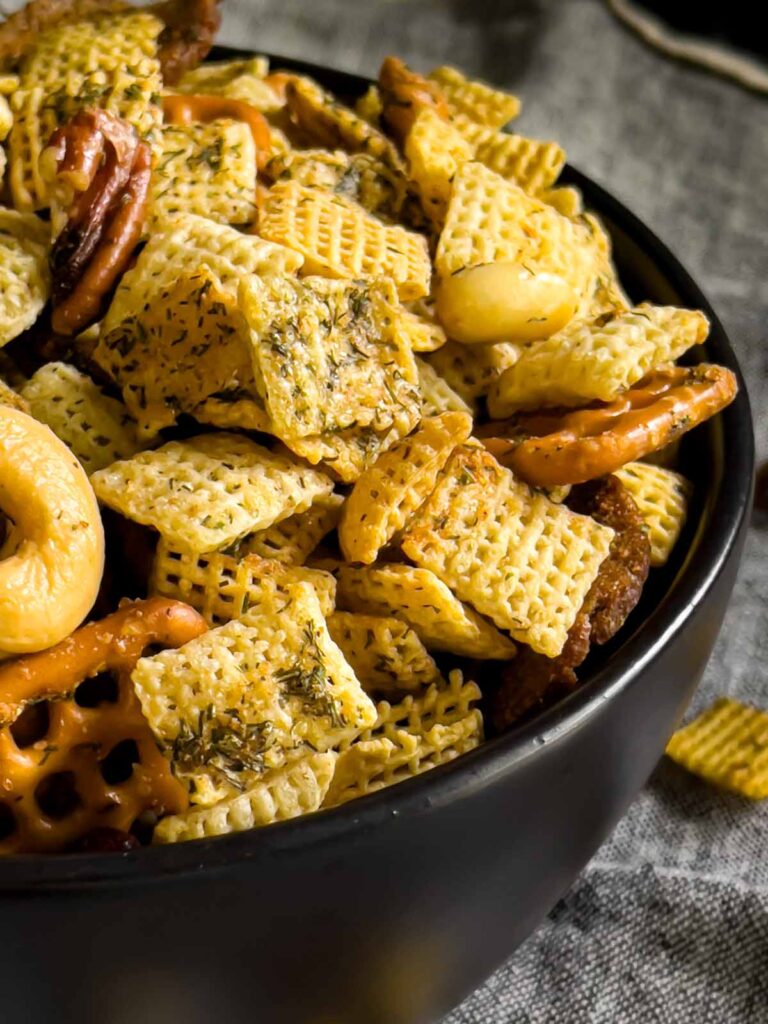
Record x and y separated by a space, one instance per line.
53 557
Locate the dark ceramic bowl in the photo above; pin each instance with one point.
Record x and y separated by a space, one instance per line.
391 909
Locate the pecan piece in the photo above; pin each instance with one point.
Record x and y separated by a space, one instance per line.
100 169
532 678
190 28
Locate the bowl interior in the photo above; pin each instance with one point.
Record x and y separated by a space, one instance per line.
648 271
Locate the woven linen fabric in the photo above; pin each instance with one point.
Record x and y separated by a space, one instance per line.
669 923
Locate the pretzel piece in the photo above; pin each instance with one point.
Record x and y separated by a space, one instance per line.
549 449
59 758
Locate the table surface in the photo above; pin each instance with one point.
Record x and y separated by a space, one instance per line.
670 920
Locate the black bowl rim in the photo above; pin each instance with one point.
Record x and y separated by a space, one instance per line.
459 779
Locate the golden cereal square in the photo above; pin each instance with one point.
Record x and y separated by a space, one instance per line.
207 169
662 497
330 359
391 489
209 491
476 100
491 220
386 655
566 199
243 697
514 555
187 240
435 150
293 539
531 164
223 587
419 598
97 428
422 330
471 370
188 342
596 360
299 787
339 239
409 738
109 62
326 122
25 280
728 746
437 395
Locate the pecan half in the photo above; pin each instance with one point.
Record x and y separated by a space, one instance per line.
98 166
532 678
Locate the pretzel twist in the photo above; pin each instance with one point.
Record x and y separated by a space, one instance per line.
183 109
549 449
78 737
100 161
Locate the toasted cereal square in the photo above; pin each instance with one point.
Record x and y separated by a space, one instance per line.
207 169
435 149
187 240
391 489
386 655
299 787
422 330
476 100
409 738
293 539
327 122
243 697
25 280
728 746
436 393
209 491
109 62
514 555
566 199
419 598
188 342
662 497
97 428
223 587
346 453
490 219
471 370
234 408
596 360
531 164
12 398
339 239
330 359
607 295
